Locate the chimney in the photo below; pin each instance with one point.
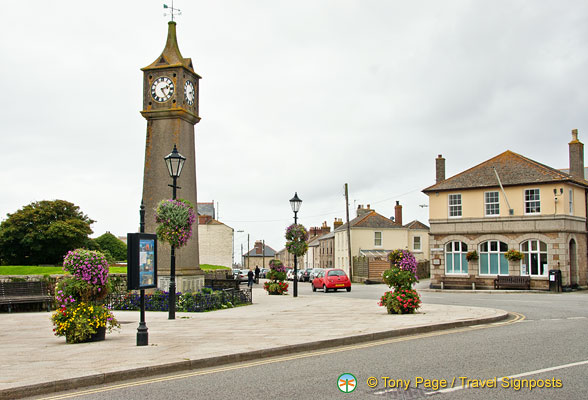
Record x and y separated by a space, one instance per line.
440 168
576 156
398 213
338 222
258 247
325 228
314 231
362 211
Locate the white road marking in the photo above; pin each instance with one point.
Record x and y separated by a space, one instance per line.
537 371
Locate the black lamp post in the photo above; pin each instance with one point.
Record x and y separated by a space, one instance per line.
175 163
295 202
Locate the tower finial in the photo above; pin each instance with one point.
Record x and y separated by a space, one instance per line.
172 11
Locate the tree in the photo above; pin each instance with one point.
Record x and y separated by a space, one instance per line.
43 232
116 247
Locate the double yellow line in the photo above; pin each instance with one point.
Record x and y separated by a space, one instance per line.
517 318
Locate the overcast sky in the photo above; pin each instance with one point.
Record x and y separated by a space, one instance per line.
296 96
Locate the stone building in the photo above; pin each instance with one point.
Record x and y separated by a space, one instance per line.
215 240
259 256
374 236
509 202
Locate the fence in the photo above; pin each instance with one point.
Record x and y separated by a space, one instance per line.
186 302
369 269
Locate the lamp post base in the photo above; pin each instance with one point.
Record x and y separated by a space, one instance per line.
142 335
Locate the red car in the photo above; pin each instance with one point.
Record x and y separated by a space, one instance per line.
332 278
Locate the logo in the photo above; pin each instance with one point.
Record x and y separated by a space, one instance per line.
347 383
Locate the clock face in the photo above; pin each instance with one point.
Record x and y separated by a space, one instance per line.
189 92
162 89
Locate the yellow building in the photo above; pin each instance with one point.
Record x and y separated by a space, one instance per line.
509 202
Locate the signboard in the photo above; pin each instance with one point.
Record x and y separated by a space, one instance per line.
142 261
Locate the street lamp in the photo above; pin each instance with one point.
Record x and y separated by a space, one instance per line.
175 163
295 202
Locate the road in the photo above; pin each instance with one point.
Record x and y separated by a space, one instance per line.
545 343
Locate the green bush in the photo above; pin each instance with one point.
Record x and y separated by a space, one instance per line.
113 245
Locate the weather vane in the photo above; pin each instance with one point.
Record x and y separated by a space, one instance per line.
172 11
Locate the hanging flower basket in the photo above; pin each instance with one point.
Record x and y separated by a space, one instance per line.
514 255
296 236
175 219
472 255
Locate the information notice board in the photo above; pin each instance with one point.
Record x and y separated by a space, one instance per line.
142 261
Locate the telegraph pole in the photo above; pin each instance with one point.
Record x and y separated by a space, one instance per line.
348 233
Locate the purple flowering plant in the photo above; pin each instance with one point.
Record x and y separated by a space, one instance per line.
79 294
89 266
296 236
401 276
175 219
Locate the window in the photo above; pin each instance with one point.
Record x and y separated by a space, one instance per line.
378 239
455 258
535 261
492 259
571 201
455 205
532 201
491 203
416 243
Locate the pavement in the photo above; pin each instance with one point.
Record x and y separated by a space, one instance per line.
34 361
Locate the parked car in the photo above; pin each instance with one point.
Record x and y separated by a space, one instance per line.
331 279
240 275
290 274
314 273
263 272
305 275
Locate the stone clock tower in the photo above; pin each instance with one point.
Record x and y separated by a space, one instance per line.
170 106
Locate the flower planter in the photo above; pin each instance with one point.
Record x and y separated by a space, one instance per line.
95 337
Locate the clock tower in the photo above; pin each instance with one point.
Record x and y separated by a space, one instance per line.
170 106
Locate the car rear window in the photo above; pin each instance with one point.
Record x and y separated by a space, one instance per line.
336 273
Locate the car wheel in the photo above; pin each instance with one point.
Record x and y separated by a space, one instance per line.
349 289
325 288
313 288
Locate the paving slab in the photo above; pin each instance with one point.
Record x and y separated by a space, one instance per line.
34 361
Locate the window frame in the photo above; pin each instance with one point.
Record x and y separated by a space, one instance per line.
376 239
456 207
494 203
571 201
527 202
499 252
414 248
461 256
528 256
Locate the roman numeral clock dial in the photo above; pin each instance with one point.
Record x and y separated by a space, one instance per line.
162 89
189 92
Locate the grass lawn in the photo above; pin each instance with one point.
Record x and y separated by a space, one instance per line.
208 267
36 270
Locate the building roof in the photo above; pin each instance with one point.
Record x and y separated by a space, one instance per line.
206 209
213 222
512 168
269 252
329 235
416 225
370 220
314 241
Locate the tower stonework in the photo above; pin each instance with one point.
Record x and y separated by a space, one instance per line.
170 106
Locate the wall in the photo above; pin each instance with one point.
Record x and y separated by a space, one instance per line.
216 244
473 201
